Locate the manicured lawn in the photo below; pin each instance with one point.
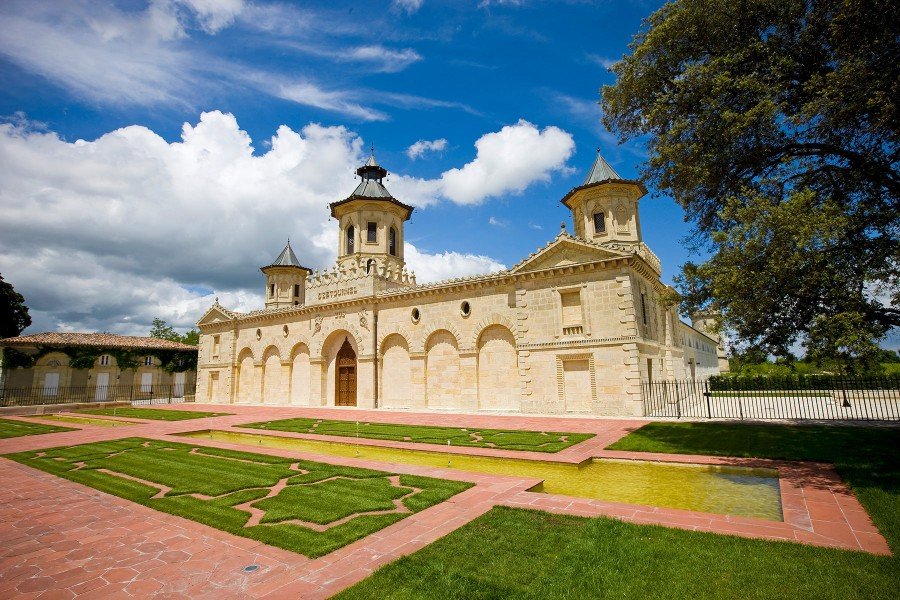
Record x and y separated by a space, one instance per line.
10 428
315 513
507 439
513 553
157 414
866 457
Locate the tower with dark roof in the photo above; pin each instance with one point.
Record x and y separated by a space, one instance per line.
605 207
285 280
370 224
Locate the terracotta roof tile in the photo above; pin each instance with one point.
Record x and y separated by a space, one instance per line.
106 340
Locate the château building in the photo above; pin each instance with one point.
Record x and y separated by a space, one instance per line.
573 328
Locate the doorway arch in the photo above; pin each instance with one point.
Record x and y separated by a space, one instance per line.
345 376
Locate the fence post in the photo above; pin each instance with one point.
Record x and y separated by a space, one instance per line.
677 405
707 393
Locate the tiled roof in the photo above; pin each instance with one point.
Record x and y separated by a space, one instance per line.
105 340
287 258
600 171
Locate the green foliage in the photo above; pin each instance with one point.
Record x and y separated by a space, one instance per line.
535 441
208 483
10 428
15 359
161 330
14 317
800 381
156 414
775 125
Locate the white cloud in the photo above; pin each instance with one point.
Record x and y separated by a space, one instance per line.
102 55
418 149
310 94
213 15
508 161
109 233
602 61
386 59
495 222
408 6
446 265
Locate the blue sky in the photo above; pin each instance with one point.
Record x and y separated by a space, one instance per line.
155 154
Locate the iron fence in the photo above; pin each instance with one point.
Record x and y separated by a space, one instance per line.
838 398
137 394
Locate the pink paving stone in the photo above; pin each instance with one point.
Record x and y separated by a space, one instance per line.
46 512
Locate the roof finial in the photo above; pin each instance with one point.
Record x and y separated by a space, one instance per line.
373 148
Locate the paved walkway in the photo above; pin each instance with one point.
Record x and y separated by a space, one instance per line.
60 539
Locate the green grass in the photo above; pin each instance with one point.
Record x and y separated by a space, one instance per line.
156 414
512 553
207 484
866 457
523 554
10 428
507 439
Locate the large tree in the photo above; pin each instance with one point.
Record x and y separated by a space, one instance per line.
14 315
774 123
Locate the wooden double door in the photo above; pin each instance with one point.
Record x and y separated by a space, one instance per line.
345 376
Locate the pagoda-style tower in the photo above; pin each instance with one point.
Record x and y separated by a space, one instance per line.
370 224
605 207
285 280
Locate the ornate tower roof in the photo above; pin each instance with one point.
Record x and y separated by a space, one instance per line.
287 258
600 171
371 187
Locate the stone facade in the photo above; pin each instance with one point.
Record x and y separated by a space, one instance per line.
573 328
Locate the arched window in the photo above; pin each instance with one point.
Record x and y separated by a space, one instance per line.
392 242
350 235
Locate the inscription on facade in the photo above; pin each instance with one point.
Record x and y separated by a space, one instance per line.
337 293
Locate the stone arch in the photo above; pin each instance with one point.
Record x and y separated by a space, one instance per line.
489 320
246 377
272 376
330 346
430 328
393 329
318 348
396 372
55 359
498 369
300 375
442 369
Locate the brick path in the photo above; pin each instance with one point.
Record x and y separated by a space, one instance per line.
59 539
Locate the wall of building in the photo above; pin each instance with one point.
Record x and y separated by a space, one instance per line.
523 346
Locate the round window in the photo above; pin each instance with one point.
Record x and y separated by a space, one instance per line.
415 315
259 334
465 308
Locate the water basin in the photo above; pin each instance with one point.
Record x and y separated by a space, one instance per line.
87 420
724 490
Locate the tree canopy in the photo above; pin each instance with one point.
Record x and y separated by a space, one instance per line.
162 330
774 124
14 317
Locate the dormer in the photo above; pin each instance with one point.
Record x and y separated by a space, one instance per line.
285 280
605 207
370 223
